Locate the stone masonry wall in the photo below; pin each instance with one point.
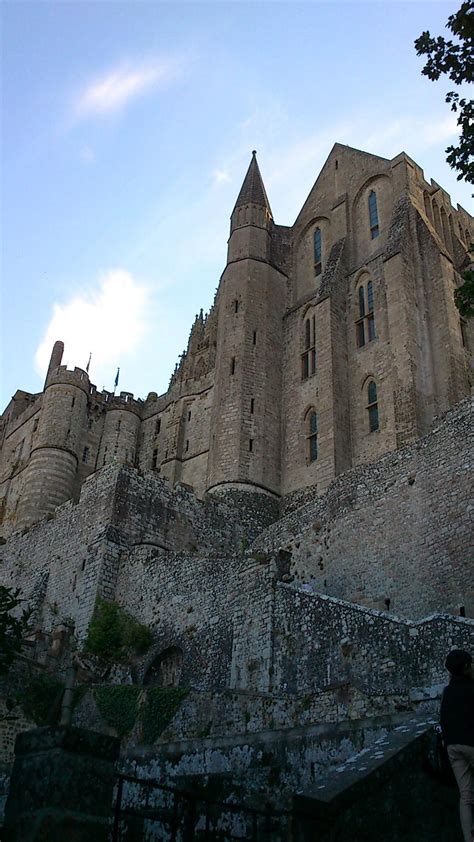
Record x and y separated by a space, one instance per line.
319 642
397 529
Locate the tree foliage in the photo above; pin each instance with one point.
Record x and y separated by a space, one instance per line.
456 60
13 626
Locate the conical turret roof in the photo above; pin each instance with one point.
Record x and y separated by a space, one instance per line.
253 190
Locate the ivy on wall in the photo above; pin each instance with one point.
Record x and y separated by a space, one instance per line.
118 704
124 705
160 707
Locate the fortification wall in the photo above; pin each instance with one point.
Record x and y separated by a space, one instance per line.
397 529
320 642
57 562
62 563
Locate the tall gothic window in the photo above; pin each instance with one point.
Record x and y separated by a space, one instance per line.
365 324
308 357
312 436
317 243
373 215
372 407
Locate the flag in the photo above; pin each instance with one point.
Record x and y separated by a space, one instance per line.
117 378
89 362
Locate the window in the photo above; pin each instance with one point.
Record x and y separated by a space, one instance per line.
252 405
157 426
187 445
372 407
317 244
255 337
85 454
232 365
312 436
365 324
35 425
236 306
89 423
308 357
250 445
373 215
154 458
189 415
119 424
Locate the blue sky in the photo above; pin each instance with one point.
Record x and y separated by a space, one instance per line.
128 128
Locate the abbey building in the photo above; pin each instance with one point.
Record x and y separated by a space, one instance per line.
329 343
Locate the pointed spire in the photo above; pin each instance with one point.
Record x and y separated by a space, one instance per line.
253 190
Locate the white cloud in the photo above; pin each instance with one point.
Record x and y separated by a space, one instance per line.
113 91
87 154
108 321
221 176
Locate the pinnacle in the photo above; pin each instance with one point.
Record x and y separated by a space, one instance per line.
253 190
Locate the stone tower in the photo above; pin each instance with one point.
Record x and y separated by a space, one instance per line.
52 468
246 418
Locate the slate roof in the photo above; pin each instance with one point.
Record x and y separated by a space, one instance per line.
253 190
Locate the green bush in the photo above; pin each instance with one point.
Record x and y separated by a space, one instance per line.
113 633
159 709
118 704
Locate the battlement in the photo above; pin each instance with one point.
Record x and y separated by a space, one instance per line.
69 377
123 401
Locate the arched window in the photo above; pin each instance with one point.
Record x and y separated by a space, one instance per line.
428 208
312 436
372 406
317 242
373 215
308 357
365 324
437 219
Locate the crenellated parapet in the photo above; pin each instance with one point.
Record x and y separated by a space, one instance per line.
63 376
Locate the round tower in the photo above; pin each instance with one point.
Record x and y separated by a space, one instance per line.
246 418
52 468
119 440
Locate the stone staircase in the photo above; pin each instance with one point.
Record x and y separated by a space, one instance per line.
370 785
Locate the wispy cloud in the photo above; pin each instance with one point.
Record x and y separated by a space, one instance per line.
221 176
114 90
87 154
108 320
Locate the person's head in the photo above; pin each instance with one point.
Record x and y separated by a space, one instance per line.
458 662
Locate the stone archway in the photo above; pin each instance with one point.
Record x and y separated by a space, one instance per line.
165 669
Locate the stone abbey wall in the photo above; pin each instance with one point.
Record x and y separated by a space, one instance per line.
397 529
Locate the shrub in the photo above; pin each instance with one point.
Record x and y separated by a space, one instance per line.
113 633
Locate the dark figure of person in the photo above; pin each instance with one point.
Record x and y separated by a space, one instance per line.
457 725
